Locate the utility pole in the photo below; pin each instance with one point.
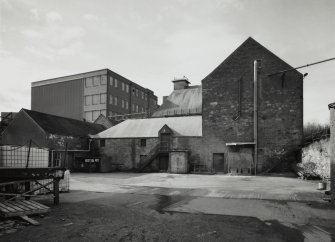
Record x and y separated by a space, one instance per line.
256 68
332 153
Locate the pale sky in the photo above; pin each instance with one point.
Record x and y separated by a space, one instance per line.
152 41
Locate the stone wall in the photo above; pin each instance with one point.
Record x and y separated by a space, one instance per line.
128 152
280 116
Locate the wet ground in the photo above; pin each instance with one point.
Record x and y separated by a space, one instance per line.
135 217
167 207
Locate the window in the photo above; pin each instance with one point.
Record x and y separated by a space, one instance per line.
136 93
103 97
115 101
88 82
103 80
57 159
96 114
145 96
103 112
88 116
122 85
96 81
133 107
111 81
115 82
142 95
133 91
136 108
127 106
122 102
102 143
88 100
96 99
110 99
127 88
142 110
143 142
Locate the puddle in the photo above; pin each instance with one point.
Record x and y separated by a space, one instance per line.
289 233
164 201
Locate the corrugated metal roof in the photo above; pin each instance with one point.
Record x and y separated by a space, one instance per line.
181 102
146 128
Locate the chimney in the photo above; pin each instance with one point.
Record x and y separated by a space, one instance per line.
181 83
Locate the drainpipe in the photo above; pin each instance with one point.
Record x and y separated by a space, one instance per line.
256 67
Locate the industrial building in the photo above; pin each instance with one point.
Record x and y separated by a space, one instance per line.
66 139
246 117
87 95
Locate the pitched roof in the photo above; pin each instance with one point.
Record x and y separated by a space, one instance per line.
181 102
251 50
53 124
148 128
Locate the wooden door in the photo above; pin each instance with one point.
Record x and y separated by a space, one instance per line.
219 163
163 163
165 142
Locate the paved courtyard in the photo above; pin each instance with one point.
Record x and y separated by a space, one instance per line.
171 207
220 186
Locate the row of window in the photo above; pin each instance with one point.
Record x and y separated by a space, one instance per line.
95 81
125 104
95 99
102 80
93 115
125 87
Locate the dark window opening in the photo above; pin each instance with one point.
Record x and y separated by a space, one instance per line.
143 142
102 143
283 80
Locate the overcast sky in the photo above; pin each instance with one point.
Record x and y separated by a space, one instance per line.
151 42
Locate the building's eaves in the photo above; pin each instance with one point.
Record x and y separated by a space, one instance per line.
69 78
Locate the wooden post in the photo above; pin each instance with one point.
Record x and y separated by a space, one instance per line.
332 153
56 191
27 189
28 155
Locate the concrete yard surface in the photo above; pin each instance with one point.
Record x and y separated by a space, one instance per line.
171 207
222 186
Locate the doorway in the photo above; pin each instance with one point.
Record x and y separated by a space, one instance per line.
219 163
165 142
163 163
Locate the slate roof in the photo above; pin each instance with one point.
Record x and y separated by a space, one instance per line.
53 124
148 128
181 102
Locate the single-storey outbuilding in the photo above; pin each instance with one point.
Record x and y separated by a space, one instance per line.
56 133
140 144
